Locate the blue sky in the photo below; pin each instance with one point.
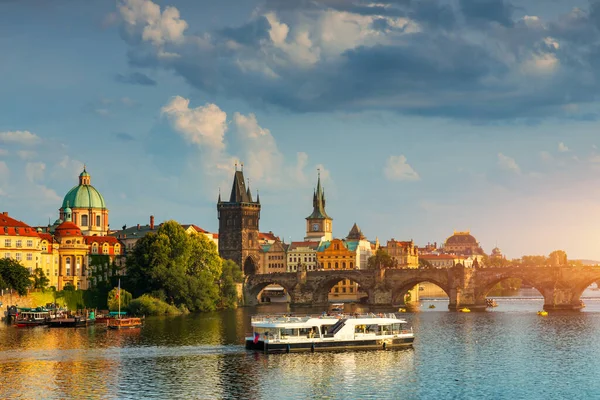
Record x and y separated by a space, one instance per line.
424 117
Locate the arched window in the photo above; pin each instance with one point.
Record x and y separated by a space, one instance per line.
105 248
95 248
84 220
329 265
336 265
97 220
344 265
351 265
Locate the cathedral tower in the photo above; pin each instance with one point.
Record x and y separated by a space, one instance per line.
238 226
318 224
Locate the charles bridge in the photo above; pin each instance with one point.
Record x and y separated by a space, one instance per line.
466 287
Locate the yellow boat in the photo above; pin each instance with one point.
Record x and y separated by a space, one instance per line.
543 313
402 310
465 309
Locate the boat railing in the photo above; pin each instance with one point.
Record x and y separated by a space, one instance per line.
303 318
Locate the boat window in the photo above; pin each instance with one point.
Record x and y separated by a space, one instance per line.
396 329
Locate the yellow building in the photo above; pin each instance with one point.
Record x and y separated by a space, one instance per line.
49 257
339 254
273 257
20 242
405 253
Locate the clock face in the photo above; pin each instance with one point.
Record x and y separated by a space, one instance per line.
315 227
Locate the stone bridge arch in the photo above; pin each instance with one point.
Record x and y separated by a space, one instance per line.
492 279
401 288
329 279
254 284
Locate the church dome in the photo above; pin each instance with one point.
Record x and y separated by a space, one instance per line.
67 228
84 195
461 238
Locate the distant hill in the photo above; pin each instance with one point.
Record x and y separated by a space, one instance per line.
589 262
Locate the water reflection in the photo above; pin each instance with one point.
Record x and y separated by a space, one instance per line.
202 356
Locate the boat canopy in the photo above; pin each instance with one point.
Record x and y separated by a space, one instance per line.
115 313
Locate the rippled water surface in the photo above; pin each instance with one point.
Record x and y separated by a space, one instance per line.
507 353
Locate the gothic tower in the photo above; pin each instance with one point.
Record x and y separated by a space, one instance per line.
318 224
238 226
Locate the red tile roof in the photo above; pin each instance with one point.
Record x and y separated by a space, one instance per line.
15 227
67 228
215 235
196 227
111 240
438 257
267 236
46 236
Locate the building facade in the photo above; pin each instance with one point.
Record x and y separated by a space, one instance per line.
302 254
273 257
318 224
88 208
339 254
462 243
405 253
239 226
20 242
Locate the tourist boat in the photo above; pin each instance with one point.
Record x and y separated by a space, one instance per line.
284 334
337 307
124 323
70 322
32 317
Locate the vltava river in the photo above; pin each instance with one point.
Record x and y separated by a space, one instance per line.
507 353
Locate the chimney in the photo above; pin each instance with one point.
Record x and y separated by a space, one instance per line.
152 222
5 213
138 227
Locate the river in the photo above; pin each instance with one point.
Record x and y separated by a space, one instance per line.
508 352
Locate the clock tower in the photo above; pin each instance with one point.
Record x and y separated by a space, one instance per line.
318 224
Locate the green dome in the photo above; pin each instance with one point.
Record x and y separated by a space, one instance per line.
83 196
84 173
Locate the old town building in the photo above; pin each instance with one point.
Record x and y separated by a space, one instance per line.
339 254
273 257
238 226
318 224
302 254
20 242
405 253
88 208
462 243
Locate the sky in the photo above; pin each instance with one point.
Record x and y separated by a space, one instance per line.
424 117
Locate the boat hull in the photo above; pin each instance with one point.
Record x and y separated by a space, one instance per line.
69 323
370 344
30 324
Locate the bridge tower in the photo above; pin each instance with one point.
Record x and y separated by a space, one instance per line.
318 224
238 226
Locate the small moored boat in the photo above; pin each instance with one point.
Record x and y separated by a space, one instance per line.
286 334
32 317
124 323
543 313
464 309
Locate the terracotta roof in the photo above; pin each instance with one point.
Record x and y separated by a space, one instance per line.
12 227
101 240
438 257
309 244
266 236
196 228
67 228
46 236
215 235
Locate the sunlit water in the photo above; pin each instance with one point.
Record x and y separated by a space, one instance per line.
508 352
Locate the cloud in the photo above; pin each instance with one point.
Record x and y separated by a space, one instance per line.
203 126
26 154
411 57
397 169
135 78
509 164
34 171
562 147
24 138
124 137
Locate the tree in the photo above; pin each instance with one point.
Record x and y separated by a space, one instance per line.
425 264
40 281
69 287
381 260
186 268
113 301
557 257
13 275
533 261
231 275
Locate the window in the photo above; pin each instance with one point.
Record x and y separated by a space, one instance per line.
55 272
84 220
97 220
336 265
7 243
351 265
19 243
105 249
44 247
47 272
68 266
6 255
29 243
95 248
18 256
29 256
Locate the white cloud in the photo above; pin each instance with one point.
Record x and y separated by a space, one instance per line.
156 27
562 147
397 169
508 163
202 126
26 154
34 171
25 138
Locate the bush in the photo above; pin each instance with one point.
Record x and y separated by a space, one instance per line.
148 305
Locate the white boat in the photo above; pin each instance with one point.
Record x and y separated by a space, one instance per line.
285 333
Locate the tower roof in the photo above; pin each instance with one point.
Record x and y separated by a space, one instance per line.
83 195
319 203
239 192
355 233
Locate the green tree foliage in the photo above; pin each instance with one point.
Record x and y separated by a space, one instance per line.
40 281
557 257
148 305
425 264
68 287
186 268
113 300
381 260
13 275
532 261
231 275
